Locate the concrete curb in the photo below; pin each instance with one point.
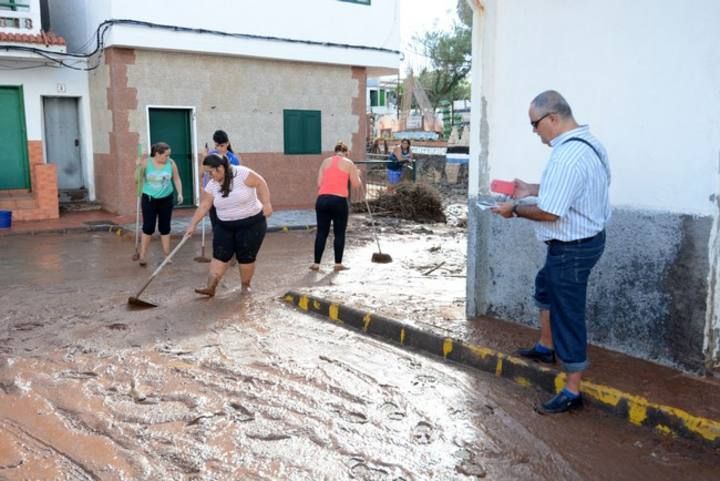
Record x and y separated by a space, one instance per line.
122 231
68 230
637 410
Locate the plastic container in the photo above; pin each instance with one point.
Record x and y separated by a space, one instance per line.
502 187
5 219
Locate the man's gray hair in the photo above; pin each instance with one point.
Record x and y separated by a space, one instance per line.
552 101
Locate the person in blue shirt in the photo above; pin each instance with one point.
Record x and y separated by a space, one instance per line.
222 148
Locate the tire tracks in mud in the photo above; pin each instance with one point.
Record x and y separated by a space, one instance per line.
32 444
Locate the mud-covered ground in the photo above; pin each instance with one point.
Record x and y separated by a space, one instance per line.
243 387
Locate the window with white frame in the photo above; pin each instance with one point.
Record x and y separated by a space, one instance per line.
14 5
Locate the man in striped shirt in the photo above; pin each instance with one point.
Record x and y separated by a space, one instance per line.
570 215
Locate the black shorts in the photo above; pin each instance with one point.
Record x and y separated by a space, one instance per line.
157 211
241 238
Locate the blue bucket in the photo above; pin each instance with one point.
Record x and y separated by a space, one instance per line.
5 219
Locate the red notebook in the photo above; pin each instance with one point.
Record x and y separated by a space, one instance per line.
502 187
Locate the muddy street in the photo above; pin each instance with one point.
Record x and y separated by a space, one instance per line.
242 387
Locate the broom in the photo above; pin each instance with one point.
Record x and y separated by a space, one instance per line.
201 258
139 179
377 257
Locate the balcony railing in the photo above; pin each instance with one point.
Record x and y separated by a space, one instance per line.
15 15
13 6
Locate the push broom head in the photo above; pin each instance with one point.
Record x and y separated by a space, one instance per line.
380 258
137 302
202 259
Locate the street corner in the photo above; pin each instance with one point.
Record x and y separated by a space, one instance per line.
636 410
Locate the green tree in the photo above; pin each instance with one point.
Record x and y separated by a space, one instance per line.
450 58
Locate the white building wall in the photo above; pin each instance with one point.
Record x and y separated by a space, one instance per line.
642 74
54 82
332 21
32 14
77 21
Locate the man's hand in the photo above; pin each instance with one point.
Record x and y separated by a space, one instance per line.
190 230
522 189
180 199
503 209
267 210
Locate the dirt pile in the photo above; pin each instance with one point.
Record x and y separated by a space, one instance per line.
417 202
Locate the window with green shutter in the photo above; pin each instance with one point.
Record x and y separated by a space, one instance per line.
381 103
12 5
302 132
373 98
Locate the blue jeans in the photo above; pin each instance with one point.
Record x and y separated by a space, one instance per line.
394 176
561 288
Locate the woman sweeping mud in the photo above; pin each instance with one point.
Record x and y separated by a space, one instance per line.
335 174
242 200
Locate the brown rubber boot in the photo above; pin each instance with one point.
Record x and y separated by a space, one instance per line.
211 286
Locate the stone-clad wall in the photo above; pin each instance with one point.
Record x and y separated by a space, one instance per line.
647 296
243 96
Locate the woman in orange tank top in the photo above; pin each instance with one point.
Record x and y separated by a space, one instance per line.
331 206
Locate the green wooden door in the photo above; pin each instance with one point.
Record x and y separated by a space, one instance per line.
14 171
172 126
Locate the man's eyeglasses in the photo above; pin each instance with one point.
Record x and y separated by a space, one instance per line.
535 123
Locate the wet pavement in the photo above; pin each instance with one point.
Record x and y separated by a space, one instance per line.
242 387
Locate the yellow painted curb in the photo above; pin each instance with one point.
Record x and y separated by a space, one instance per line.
666 420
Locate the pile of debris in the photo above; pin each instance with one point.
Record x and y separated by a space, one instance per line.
416 202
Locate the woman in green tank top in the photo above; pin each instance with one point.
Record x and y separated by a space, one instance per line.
159 173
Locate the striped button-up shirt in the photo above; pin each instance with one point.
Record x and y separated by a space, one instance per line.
574 187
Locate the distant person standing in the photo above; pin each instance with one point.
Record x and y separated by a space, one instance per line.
222 148
331 206
159 172
570 216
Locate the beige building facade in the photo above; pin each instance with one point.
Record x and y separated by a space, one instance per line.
248 98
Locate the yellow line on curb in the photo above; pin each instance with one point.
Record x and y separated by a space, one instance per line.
481 352
303 303
366 322
334 312
638 408
447 347
706 428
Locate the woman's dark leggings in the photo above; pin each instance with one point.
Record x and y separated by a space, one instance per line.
156 211
331 208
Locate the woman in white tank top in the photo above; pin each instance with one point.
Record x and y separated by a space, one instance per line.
242 201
